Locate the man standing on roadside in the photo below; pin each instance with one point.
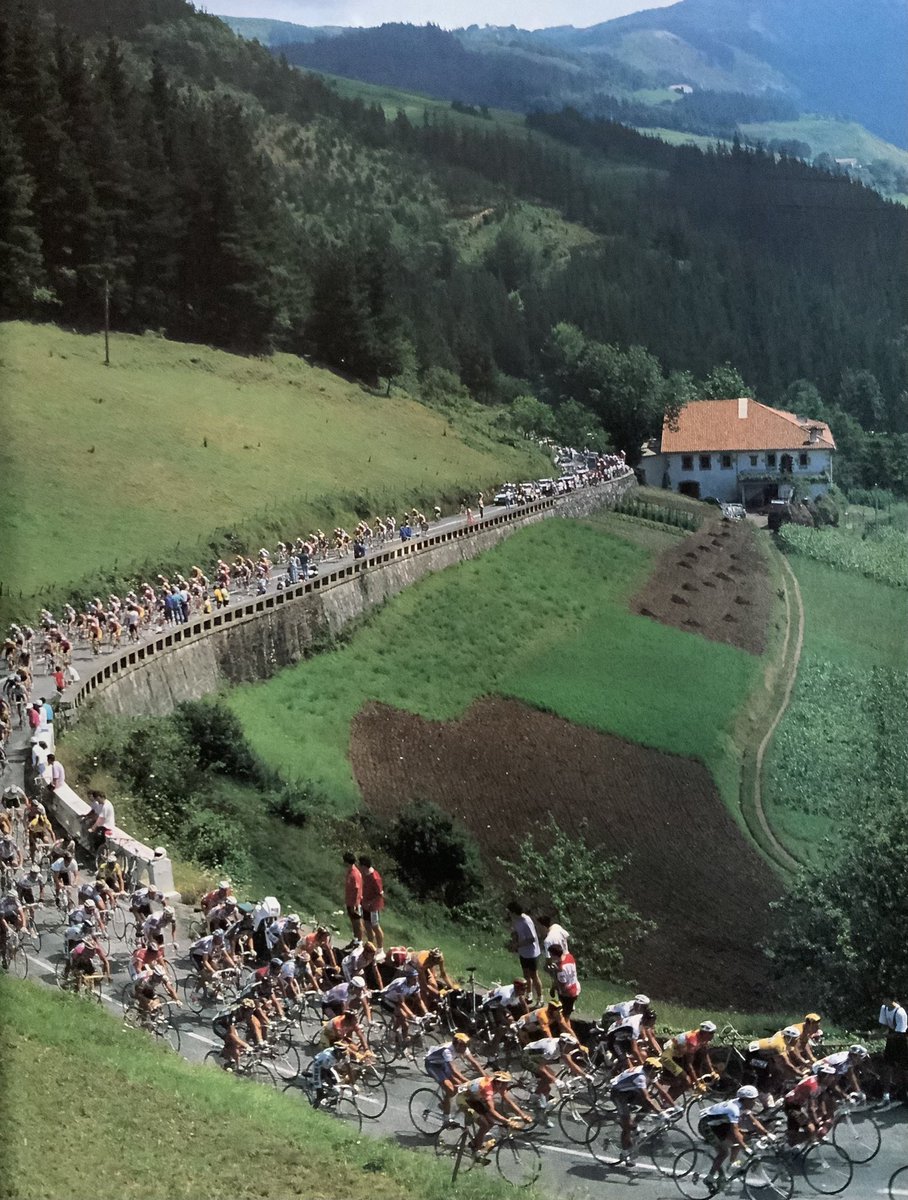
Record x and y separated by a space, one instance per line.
353 897
526 941
54 775
373 903
894 1020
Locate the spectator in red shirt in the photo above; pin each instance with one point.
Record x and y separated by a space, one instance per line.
373 902
353 896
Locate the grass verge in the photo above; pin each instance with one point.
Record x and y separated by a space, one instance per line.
158 1127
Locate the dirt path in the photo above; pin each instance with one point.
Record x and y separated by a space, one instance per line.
791 589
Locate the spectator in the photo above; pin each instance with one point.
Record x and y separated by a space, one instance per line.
556 935
353 897
373 903
54 776
526 941
564 971
894 1021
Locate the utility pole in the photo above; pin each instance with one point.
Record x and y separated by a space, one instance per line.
107 322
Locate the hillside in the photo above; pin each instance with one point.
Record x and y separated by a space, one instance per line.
112 1088
195 450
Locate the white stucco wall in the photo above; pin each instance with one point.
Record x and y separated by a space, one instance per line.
723 482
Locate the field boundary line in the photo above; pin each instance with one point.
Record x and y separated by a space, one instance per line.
791 588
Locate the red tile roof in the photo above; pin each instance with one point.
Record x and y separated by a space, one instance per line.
717 425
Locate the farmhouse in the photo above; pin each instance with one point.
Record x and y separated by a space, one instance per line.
743 451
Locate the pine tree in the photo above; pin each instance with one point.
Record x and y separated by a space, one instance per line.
21 263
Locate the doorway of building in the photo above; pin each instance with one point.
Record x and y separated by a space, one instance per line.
689 487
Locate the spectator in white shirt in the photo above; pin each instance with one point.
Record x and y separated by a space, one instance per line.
894 1020
556 935
54 775
525 940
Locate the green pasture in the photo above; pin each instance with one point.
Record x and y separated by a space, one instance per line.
840 752
173 448
543 618
156 1127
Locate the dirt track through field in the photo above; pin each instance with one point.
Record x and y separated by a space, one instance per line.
714 582
503 767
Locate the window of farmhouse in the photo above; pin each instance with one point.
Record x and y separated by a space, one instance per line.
726 462
687 462
753 460
770 460
803 460
705 462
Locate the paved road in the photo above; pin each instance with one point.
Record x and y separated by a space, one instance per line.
568 1171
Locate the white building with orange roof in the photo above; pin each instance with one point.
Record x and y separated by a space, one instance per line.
741 451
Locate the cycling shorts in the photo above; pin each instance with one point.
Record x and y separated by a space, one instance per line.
671 1064
715 1133
439 1071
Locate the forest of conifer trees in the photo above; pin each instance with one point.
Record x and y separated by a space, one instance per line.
224 197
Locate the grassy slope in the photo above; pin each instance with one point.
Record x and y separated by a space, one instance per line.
841 139
158 1128
118 455
543 617
851 623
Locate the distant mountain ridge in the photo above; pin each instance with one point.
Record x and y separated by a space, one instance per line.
840 57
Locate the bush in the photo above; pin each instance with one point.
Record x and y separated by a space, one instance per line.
577 881
296 802
215 842
216 735
436 857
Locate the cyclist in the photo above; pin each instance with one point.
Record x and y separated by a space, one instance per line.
481 1098
283 935
155 924
631 1090
297 975
90 892
111 873
440 1066
538 1056
324 1070
142 958
685 1054
317 945
222 915
30 886
145 989
632 1039
225 1025
362 962
264 988
140 903
348 997
724 1127
504 1001
770 1061
10 855
622 1009
84 913
341 1030
215 897
80 960
433 975
402 1000
802 1051
544 1022
846 1064
808 1107
12 916
40 831
209 954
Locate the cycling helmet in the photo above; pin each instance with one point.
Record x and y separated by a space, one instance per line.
858 1052
462 1039
39 808
168 911
158 970
11 894
707 1027
641 999
358 982
556 1004
825 1069
369 948
568 1039
231 900
218 935
247 1003
322 930
410 972
502 1077
304 956
224 885
293 919
89 904
111 858
653 1063
435 953
790 1033
520 984
815 1017
276 962
748 1092
34 869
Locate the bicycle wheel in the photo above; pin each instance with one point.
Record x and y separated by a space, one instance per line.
168 1033
425 1111
898 1184
16 961
858 1136
664 1145
214 1058
695 1107
575 1117
117 922
690 1171
196 995
826 1169
767 1178
604 1141
342 1107
518 1161
371 1102
262 1072
372 1074
451 1143
132 1016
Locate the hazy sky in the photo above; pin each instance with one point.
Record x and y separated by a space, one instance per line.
530 14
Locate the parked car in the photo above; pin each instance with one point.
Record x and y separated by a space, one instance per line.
505 496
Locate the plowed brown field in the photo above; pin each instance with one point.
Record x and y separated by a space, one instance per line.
715 583
503 767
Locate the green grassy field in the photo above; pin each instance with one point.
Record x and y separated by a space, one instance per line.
543 618
841 740
106 470
90 1108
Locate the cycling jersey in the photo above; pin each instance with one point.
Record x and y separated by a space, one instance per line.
841 1061
8 850
478 1091
204 946
536 1021
440 1055
627 1030
805 1091
355 964
683 1043
632 1080
28 889
548 1049
398 990
770 1046
503 997
9 907
341 996
728 1112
